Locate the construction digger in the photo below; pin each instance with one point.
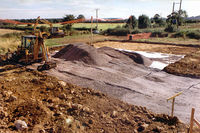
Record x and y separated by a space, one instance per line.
31 50
54 32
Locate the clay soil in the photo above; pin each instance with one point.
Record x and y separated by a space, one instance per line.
47 104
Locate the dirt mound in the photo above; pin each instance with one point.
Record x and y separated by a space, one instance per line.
82 52
100 56
47 104
188 66
125 56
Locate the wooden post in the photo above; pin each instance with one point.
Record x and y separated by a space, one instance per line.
173 101
192 120
91 31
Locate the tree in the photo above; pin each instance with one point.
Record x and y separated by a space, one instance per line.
177 18
143 22
132 22
158 20
68 17
81 16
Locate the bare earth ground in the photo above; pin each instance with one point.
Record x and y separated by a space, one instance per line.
133 83
47 104
170 49
188 66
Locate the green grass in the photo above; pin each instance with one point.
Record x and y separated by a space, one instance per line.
101 26
66 39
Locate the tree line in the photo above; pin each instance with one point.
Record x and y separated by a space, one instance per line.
173 21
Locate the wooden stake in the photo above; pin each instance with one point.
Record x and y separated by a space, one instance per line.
192 120
91 31
173 101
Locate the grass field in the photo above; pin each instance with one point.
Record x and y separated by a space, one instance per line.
11 42
6 31
102 26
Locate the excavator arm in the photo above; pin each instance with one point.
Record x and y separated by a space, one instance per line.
36 23
46 22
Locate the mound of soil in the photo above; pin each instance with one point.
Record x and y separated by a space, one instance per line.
101 56
47 104
82 52
188 66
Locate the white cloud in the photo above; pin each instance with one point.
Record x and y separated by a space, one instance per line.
108 8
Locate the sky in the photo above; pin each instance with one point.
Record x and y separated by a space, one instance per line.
25 9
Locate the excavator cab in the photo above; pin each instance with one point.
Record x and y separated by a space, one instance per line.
27 42
54 30
25 52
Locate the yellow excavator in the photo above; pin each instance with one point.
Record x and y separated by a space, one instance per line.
54 32
33 49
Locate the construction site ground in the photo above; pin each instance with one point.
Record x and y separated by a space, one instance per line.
48 104
119 75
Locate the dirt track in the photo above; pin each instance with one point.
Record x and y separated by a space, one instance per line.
133 83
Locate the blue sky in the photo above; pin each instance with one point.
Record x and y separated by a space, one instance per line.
18 9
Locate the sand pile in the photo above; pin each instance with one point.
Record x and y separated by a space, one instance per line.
101 56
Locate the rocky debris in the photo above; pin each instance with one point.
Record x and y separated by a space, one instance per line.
114 114
62 83
52 107
11 98
3 113
20 125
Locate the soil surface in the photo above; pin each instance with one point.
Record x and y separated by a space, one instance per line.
52 104
170 49
124 78
188 66
49 105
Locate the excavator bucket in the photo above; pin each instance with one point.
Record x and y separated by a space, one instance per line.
46 66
